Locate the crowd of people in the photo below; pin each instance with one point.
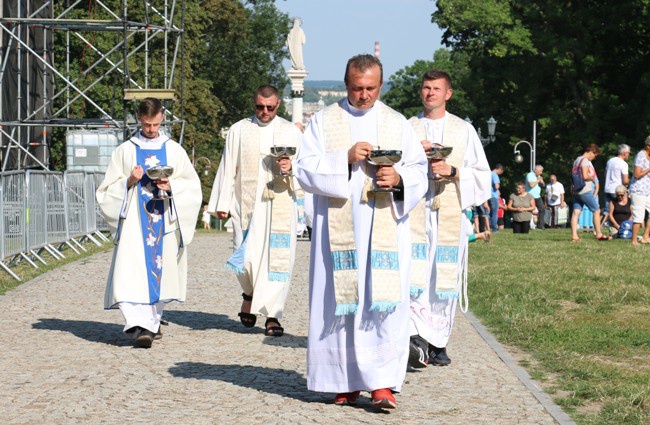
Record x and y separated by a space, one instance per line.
389 240
626 205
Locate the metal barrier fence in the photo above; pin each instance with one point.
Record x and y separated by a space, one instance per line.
45 211
102 226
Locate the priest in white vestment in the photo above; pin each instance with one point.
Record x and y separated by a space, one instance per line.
149 266
457 183
258 190
360 252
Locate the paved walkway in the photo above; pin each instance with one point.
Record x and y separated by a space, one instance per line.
63 359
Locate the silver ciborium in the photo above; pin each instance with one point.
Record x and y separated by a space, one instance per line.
438 153
283 152
160 172
384 157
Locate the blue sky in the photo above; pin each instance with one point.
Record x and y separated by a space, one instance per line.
339 29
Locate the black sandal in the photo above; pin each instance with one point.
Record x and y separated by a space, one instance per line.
273 330
247 319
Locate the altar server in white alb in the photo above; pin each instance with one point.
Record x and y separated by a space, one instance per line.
361 248
149 266
260 193
440 239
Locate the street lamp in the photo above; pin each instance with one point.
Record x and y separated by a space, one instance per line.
519 157
205 171
492 126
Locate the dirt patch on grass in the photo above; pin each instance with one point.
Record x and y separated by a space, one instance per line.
550 383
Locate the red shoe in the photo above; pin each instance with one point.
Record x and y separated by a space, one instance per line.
384 399
344 399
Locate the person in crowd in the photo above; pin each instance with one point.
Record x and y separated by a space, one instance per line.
473 236
617 173
152 215
481 217
206 217
502 212
497 171
554 199
534 185
521 204
640 194
259 192
360 263
437 283
587 195
620 210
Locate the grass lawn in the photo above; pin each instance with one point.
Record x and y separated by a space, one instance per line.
579 314
26 271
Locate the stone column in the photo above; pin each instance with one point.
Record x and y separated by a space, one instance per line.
297 77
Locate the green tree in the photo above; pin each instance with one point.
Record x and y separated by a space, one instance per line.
245 46
585 83
404 92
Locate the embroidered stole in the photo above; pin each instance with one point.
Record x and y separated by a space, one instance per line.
151 218
279 190
446 199
385 278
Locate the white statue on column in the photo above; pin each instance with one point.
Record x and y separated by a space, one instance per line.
295 40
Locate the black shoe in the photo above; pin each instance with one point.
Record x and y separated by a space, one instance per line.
438 356
143 338
418 357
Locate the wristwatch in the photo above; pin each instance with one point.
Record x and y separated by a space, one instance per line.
454 171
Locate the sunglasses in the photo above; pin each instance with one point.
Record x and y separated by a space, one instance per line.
619 195
269 108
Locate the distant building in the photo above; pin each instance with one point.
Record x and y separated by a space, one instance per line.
308 108
332 93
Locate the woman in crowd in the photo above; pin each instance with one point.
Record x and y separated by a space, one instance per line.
640 193
522 205
620 210
588 195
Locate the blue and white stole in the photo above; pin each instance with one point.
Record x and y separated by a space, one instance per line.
151 217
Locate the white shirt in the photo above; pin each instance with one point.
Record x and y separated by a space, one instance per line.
616 169
554 190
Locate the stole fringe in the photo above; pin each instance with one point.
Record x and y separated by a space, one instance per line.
233 268
278 277
416 292
384 306
447 295
345 309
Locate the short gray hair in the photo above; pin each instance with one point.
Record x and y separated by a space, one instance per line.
621 189
623 149
539 166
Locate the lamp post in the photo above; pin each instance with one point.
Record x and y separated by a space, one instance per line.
518 157
491 126
205 170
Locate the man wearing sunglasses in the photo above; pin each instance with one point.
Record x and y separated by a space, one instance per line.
149 265
255 186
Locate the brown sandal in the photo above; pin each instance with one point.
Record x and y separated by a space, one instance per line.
247 319
273 330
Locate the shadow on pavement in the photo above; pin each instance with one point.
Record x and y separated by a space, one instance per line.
198 320
105 333
201 321
285 383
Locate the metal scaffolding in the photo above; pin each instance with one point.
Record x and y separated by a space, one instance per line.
83 65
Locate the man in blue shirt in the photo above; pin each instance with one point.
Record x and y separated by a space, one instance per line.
534 184
494 199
